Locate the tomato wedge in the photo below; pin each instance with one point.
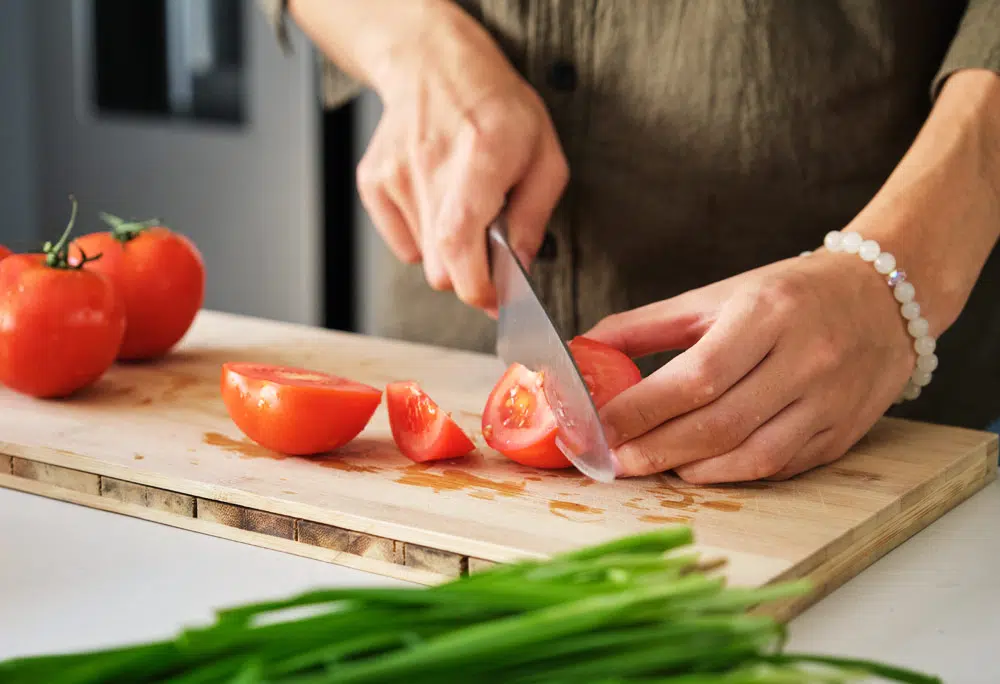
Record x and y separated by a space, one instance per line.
296 411
421 430
518 421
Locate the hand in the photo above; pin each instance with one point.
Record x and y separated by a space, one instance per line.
785 367
461 134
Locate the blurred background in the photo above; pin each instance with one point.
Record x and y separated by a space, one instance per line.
188 111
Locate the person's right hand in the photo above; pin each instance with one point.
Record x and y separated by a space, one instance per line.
461 135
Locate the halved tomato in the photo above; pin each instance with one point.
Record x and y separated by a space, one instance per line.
296 411
422 431
518 421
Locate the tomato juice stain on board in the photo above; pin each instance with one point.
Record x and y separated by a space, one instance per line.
453 480
659 519
338 463
357 448
243 447
179 382
722 505
564 508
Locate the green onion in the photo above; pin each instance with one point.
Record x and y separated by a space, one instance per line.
635 610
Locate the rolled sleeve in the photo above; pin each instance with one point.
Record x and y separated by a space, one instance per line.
337 86
976 44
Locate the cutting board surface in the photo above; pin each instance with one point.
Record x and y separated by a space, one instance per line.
154 440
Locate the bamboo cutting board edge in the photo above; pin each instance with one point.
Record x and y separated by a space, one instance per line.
827 525
465 545
828 571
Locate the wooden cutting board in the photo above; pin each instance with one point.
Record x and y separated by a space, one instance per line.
154 441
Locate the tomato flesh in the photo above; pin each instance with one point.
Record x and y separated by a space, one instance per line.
4 252
421 430
518 421
296 411
607 371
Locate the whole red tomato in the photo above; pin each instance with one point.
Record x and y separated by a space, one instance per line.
161 276
60 325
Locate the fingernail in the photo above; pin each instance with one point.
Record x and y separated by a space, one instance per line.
616 463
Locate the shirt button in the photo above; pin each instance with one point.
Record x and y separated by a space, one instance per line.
547 252
562 75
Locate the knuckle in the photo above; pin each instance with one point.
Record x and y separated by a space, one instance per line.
783 296
724 430
701 380
437 279
640 459
826 354
453 228
694 476
477 295
763 463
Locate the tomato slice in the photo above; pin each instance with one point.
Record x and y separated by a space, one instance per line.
518 421
421 430
296 411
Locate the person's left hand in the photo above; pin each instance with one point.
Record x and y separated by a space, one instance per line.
785 367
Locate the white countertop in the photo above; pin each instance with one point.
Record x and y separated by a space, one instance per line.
73 578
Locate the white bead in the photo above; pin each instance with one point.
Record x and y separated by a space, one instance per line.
920 378
924 345
927 362
832 241
805 254
851 242
918 327
911 392
904 292
885 263
869 250
910 310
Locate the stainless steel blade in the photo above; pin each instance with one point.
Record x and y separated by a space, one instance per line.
526 335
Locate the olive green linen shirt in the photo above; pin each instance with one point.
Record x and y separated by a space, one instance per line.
710 137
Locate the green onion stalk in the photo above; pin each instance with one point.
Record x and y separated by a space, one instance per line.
638 610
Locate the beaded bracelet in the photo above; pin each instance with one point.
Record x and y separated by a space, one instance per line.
917 326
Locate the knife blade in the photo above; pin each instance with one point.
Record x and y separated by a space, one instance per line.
527 335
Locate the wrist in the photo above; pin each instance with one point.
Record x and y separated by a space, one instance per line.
369 39
939 211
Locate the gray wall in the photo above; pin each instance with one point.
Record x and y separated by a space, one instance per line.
248 197
18 165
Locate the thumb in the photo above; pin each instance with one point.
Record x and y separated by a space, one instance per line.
675 323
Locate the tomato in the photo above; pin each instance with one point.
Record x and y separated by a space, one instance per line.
518 421
60 325
421 430
607 371
296 411
4 252
161 275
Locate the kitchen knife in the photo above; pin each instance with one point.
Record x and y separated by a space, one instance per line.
526 335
